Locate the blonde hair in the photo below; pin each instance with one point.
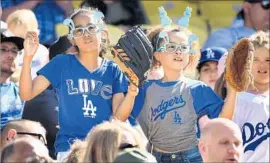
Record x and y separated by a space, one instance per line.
23 19
260 39
76 151
152 34
104 140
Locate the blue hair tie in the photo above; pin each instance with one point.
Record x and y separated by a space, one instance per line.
191 39
184 21
69 22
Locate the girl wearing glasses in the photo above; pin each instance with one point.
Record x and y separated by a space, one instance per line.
90 87
168 109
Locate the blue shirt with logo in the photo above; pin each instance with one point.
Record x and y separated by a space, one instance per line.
85 98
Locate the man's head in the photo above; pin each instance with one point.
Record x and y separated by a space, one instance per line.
256 13
221 141
10 47
25 150
22 128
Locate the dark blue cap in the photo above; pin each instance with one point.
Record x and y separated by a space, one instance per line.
212 54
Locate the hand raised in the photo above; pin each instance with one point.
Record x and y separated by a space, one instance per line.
31 43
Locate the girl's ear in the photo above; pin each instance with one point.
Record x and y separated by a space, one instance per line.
105 36
157 56
72 41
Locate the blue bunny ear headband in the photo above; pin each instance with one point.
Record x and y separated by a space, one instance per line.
183 22
98 16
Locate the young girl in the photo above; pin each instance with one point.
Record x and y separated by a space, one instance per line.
168 109
208 65
90 88
252 109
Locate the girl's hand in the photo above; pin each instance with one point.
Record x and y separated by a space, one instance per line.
31 44
133 90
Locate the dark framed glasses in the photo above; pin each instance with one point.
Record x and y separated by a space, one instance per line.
39 136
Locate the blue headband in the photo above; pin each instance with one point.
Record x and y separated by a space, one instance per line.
182 22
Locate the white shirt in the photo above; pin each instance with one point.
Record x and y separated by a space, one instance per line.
252 116
40 59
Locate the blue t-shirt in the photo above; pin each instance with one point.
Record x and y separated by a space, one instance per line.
85 98
11 103
168 112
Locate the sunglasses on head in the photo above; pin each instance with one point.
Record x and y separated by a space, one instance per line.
40 137
127 145
265 4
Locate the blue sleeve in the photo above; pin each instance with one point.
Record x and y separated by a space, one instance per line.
53 70
132 121
139 100
120 84
220 38
206 102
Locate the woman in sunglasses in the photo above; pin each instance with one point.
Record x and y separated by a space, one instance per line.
90 87
106 140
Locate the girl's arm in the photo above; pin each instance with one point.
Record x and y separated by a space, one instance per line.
29 89
123 105
229 105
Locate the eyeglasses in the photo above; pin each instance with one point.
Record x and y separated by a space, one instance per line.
13 51
91 29
127 145
40 137
172 48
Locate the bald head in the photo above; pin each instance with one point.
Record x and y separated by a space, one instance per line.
13 130
219 126
221 135
23 148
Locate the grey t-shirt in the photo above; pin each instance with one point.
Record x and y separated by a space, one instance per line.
168 112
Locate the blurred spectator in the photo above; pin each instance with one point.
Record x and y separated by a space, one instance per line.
100 140
61 46
207 67
26 150
19 23
255 14
11 103
44 109
120 12
77 150
22 128
220 87
48 13
221 141
132 155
